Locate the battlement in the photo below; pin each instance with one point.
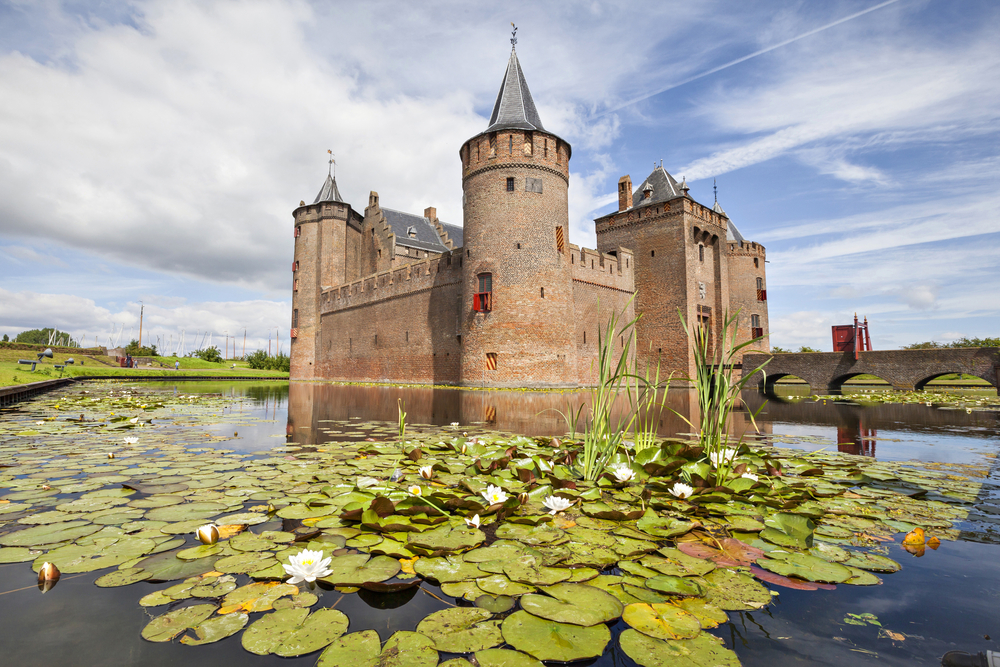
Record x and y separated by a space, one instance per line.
615 271
746 249
440 270
316 212
639 214
516 148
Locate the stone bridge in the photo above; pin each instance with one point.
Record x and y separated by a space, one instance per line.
903 369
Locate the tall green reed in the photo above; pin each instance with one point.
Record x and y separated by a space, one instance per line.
647 397
718 390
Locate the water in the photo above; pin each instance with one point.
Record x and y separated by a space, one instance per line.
948 599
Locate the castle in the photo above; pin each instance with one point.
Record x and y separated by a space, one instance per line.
505 300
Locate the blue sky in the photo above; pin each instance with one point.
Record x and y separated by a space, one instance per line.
153 151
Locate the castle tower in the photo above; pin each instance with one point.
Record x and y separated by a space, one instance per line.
320 230
681 264
747 286
516 319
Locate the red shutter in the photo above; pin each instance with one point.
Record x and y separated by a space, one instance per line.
294 333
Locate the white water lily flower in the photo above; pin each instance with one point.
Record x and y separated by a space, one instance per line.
307 566
752 477
681 490
494 495
454 424
39 423
415 490
556 504
724 455
473 522
427 472
131 440
208 534
134 420
365 482
622 472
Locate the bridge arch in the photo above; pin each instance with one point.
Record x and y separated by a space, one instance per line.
838 382
987 377
772 380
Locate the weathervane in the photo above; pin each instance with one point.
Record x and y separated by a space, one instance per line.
715 189
513 36
333 164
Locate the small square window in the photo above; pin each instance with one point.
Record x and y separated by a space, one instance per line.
510 184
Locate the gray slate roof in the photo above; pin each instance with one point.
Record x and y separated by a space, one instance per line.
514 108
732 233
665 188
329 191
426 236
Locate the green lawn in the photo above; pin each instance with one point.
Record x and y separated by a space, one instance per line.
12 373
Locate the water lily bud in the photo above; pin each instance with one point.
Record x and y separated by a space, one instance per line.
473 522
48 575
522 498
46 487
208 534
111 455
270 508
427 472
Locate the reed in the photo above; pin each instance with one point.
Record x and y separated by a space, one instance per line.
400 405
718 391
648 397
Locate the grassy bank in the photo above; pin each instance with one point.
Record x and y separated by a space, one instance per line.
12 373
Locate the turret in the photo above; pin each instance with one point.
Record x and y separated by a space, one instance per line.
517 309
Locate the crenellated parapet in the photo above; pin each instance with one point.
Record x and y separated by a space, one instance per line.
386 285
613 271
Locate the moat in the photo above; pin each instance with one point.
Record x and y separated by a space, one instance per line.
222 442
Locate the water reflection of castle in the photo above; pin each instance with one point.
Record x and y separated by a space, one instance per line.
855 438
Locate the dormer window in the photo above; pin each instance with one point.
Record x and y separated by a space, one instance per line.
411 232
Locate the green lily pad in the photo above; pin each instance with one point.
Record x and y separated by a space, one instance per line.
361 649
215 629
708 615
862 578
499 584
527 570
653 524
17 554
495 605
447 570
787 529
247 541
806 567
446 538
702 651
49 534
358 570
291 632
541 534
202 551
872 562
550 640
167 567
734 591
461 630
577 604
662 621
122 577
74 558
241 563
494 552
166 627
503 657
258 596
666 583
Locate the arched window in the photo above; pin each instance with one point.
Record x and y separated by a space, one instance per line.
756 265
482 301
701 253
760 283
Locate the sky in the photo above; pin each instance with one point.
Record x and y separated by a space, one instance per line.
151 153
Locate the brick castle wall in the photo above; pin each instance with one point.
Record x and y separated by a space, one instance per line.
743 275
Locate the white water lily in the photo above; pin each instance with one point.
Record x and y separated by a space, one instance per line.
494 495
415 490
307 566
681 490
473 522
454 424
752 477
556 504
365 482
724 455
131 440
427 472
622 472
208 534
39 423
134 420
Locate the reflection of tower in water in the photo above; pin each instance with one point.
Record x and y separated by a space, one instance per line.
856 439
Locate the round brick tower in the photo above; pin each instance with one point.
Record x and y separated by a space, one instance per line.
517 312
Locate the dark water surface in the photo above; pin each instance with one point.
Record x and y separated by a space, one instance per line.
947 599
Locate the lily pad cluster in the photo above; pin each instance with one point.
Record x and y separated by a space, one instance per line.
528 583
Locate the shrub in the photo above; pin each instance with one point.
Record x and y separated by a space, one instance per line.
210 354
260 360
136 350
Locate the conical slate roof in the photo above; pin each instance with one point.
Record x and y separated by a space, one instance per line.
329 191
732 233
514 108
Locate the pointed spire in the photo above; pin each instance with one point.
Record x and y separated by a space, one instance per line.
329 191
514 108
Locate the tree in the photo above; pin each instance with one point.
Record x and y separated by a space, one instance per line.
41 337
778 350
806 348
135 350
210 354
6 338
960 342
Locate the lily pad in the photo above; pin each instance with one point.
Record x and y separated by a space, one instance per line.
708 615
653 524
872 562
291 632
258 596
361 649
662 621
702 651
49 534
359 569
734 591
166 627
167 567
122 577
496 605
806 567
527 570
503 657
672 585
550 640
499 584
577 604
215 629
446 538
461 629
447 570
